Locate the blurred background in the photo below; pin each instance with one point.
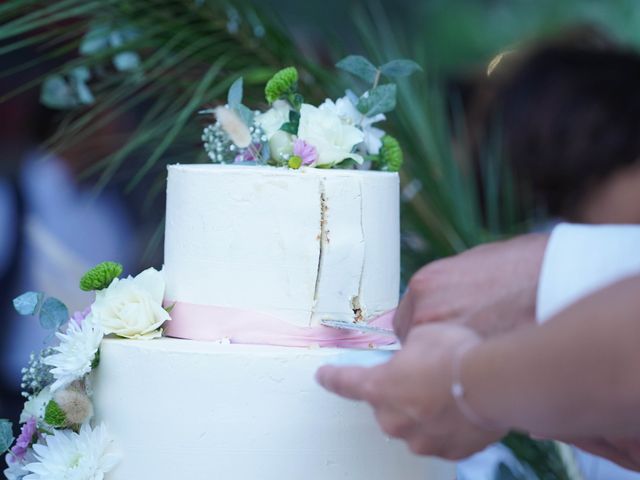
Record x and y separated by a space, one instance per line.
96 97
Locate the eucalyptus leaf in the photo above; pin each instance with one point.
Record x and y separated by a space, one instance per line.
378 100
85 97
234 97
57 94
53 314
6 435
96 39
400 68
245 114
359 66
80 74
28 303
126 61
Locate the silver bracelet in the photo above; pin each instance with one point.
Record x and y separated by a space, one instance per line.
458 392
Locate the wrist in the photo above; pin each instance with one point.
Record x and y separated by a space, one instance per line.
463 396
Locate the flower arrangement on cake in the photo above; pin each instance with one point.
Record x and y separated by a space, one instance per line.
295 134
56 437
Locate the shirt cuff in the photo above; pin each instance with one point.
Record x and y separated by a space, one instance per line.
580 259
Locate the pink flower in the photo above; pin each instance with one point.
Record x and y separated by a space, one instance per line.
249 154
306 152
79 317
25 438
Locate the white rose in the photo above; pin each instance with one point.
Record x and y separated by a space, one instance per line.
272 119
281 145
132 307
332 137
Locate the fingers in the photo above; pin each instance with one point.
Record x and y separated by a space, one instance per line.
348 382
403 318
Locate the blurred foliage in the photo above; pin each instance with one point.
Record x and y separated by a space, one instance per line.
460 33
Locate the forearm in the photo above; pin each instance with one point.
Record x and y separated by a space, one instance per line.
574 376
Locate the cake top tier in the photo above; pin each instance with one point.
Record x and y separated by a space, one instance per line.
298 246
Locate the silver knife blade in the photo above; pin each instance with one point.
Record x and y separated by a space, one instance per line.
343 325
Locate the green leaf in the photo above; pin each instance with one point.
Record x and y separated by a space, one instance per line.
290 127
359 66
378 100
503 472
54 415
53 314
100 276
400 68
234 97
96 360
28 303
6 435
294 116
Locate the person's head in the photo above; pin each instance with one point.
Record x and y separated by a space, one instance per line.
569 117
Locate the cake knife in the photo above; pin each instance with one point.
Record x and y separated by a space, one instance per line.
359 327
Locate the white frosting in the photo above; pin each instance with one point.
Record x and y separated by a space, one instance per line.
198 411
302 245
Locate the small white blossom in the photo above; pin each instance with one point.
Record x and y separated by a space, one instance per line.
35 406
274 118
76 352
132 307
67 455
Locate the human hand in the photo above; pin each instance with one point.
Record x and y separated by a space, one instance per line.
411 394
490 288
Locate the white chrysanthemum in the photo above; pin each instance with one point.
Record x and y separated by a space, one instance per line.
132 307
332 137
67 455
75 353
345 108
15 468
35 406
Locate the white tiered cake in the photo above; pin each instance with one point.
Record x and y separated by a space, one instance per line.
259 255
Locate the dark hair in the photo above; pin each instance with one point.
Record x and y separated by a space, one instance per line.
569 117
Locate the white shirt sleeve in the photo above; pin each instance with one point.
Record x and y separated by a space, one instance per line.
581 259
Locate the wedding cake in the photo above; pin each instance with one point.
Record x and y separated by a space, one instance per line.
205 370
245 245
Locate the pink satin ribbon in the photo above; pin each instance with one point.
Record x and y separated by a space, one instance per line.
210 323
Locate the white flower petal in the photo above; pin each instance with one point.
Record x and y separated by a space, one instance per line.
153 282
86 455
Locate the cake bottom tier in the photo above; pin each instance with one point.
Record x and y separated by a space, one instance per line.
204 411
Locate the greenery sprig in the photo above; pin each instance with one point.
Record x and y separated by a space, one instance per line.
379 98
100 276
6 435
284 85
51 312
